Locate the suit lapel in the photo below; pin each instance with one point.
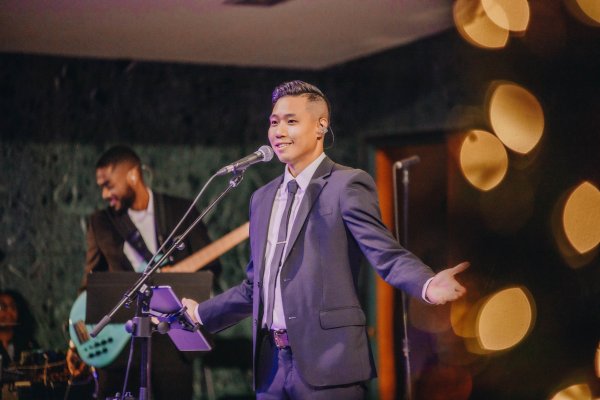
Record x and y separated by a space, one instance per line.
313 191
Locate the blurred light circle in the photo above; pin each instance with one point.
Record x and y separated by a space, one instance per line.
476 28
462 318
505 319
591 8
586 11
508 14
580 392
516 116
581 217
597 361
483 160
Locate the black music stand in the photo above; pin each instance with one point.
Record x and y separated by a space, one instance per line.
105 289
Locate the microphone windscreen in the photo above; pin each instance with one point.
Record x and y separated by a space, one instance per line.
267 153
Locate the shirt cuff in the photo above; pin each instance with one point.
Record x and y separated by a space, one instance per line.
197 315
423 292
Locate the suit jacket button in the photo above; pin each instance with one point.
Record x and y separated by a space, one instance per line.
259 284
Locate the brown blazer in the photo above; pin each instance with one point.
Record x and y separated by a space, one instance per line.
105 243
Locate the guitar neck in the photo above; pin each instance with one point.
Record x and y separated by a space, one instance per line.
204 256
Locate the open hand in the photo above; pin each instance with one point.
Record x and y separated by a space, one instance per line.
444 287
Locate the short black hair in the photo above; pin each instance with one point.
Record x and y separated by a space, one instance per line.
300 88
117 155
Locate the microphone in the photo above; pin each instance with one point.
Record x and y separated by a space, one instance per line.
407 162
264 154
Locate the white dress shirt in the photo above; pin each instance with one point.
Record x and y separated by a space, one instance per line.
303 179
144 222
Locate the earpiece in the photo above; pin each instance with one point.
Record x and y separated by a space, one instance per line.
323 127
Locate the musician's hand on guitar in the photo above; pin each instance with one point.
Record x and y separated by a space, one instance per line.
75 364
191 308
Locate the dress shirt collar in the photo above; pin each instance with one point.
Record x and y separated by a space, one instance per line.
304 177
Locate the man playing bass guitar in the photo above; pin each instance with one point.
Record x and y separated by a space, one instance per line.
123 237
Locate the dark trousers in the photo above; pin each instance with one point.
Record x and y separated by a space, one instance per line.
278 378
172 373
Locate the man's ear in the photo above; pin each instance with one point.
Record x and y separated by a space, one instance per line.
323 124
133 176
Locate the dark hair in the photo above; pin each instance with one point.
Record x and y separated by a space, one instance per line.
117 155
26 329
300 88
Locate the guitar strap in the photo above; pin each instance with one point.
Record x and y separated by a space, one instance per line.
129 232
161 218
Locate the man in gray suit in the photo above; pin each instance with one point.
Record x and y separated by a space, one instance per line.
309 230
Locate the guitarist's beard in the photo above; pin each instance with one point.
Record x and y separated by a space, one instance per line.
125 202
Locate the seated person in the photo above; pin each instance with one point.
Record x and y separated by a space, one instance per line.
17 327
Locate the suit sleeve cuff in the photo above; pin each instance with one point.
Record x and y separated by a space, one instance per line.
423 292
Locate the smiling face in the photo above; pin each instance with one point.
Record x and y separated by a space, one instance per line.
114 183
296 130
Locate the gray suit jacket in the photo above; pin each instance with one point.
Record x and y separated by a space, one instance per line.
337 223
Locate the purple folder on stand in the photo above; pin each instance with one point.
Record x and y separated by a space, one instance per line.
167 308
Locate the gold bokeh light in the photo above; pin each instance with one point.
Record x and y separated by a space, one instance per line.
516 116
483 159
512 15
476 27
597 361
581 218
505 319
591 8
586 11
579 391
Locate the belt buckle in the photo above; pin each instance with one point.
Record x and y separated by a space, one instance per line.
281 339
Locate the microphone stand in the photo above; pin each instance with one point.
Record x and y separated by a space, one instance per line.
142 325
408 395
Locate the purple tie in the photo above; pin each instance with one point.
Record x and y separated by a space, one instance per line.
292 187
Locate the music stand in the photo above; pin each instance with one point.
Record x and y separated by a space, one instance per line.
106 288
141 292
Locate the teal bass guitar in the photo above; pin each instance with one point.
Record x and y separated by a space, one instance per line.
108 344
